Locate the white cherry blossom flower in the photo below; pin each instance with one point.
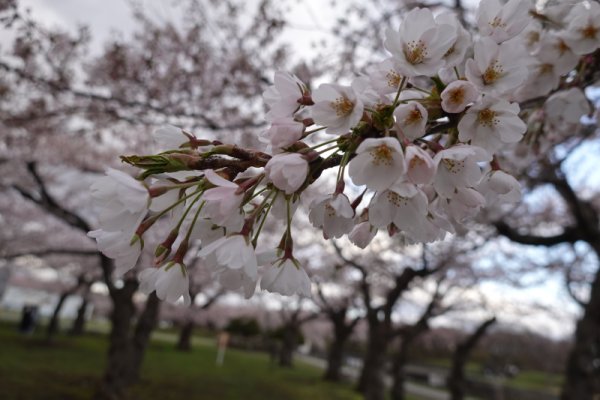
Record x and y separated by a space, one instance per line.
168 138
286 277
279 207
283 132
333 213
555 50
497 69
170 281
420 168
385 76
458 95
282 98
337 107
122 201
457 52
378 163
465 204
366 93
411 119
542 79
503 21
457 167
563 110
120 246
238 280
420 44
233 252
498 187
287 171
583 32
362 234
222 203
490 123
532 36
404 205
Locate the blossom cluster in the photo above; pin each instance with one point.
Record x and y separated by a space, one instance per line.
417 135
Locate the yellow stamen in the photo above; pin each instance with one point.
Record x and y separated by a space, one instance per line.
393 79
589 32
413 117
487 118
415 52
342 106
492 73
381 154
396 199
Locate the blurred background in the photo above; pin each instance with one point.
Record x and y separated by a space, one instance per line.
489 314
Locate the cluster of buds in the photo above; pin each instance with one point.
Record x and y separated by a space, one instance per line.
418 133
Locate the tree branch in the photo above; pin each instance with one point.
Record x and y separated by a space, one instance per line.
569 235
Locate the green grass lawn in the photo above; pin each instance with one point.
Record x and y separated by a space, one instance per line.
525 379
71 368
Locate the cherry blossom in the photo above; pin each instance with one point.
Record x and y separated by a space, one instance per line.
502 22
222 203
287 171
458 95
583 32
420 166
282 98
490 123
337 107
362 234
378 163
420 44
411 119
457 167
120 246
233 252
283 132
332 213
286 277
171 282
497 68
404 205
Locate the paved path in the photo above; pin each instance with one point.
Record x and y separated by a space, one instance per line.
425 392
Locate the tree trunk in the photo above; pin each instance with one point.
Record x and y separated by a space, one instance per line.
143 330
288 346
335 360
582 375
120 354
54 322
456 378
398 371
371 382
184 343
78 326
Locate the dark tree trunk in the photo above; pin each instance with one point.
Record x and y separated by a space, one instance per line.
288 346
342 329
335 360
120 354
53 324
78 326
184 343
79 323
371 382
582 375
398 372
141 336
456 378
